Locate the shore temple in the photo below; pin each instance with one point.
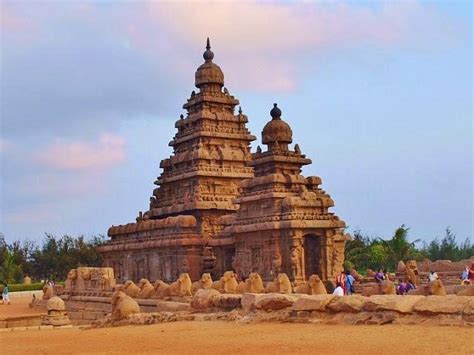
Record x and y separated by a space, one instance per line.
219 207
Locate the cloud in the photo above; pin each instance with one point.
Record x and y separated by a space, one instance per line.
264 45
41 213
108 152
5 145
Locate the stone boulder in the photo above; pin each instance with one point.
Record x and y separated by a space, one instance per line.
169 306
312 303
450 304
400 304
228 301
465 290
248 300
469 309
204 299
347 304
274 301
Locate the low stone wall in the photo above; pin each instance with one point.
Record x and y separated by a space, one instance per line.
250 307
20 321
86 309
26 294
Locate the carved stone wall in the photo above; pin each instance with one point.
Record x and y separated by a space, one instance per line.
218 207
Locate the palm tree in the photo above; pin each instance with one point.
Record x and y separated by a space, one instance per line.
399 248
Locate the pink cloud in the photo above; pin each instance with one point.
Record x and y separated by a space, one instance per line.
40 213
108 152
5 145
267 42
10 20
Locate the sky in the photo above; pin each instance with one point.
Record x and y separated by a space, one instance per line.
378 94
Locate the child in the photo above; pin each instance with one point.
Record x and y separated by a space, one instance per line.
5 295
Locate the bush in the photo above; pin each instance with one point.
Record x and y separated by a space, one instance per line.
348 266
22 287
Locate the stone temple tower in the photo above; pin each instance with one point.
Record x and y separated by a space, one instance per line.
197 186
217 207
283 223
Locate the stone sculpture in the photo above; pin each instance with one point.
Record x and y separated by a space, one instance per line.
146 289
57 315
71 280
182 286
253 284
123 306
162 289
314 286
48 292
205 283
131 289
436 288
282 284
227 283
412 274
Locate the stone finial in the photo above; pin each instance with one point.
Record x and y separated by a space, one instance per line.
181 116
297 149
259 150
275 112
208 54
193 93
240 110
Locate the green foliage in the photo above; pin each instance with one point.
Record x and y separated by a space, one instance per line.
23 287
52 260
10 270
447 248
365 252
348 265
399 248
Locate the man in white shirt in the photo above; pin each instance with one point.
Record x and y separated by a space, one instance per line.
338 291
433 276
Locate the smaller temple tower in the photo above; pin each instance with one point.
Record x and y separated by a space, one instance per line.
283 223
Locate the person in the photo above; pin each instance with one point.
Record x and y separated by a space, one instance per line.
341 280
338 291
5 295
471 273
402 287
379 276
349 283
465 276
410 286
433 276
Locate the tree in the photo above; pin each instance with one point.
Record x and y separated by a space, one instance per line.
399 248
10 272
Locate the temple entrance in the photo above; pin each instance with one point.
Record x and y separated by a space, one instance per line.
313 255
228 258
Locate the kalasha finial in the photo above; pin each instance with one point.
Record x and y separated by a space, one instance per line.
240 110
275 112
208 54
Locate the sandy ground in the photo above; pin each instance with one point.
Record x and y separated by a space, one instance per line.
227 337
18 307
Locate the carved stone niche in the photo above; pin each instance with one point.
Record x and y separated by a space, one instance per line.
91 278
